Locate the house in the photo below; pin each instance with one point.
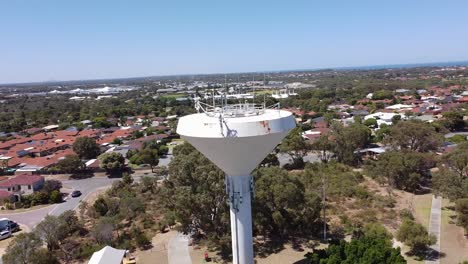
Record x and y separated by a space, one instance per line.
372 153
22 185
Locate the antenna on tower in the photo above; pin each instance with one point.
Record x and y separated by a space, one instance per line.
253 83
225 90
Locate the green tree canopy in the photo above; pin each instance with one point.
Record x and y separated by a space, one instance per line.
452 178
347 140
150 156
281 207
414 135
25 248
195 193
71 164
112 162
415 236
403 170
86 148
295 145
372 246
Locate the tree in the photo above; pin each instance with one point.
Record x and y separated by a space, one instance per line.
403 170
280 207
71 164
22 249
324 147
113 162
131 206
103 230
51 185
70 222
149 156
370 122
414 135
86 148
270 160
451 180
127 179
51 230
372 245
453 120
55 197
295 145
195 193
347 140
396 119
100 206
415 236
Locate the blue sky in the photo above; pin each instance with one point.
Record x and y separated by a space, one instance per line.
44 40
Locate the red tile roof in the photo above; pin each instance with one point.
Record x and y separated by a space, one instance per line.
23 179
5 194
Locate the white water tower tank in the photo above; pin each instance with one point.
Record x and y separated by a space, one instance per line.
237 138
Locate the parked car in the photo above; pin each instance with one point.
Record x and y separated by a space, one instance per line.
5 234
75 193
8 225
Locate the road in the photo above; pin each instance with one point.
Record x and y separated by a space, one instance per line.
86 186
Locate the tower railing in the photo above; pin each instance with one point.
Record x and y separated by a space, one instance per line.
233 110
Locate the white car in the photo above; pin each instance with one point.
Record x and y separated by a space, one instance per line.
5 234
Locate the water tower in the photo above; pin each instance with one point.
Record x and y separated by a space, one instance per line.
237 137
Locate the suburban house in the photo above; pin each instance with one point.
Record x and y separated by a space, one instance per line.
21 185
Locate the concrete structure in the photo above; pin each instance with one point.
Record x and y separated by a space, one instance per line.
237 138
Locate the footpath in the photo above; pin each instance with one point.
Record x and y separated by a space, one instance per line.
434 228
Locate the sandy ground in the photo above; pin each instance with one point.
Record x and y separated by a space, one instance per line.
287 255
158 253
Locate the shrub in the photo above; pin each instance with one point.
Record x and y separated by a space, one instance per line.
415 236
142 240
406 214
55 197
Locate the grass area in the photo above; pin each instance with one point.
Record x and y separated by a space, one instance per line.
453 242
447 214
422 208
22 210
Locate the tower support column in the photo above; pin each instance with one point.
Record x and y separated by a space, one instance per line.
239 189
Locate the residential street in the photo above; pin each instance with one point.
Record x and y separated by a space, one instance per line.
86 186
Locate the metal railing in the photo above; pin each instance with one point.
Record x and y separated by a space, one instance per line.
233 110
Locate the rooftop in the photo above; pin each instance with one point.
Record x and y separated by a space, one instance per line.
23 179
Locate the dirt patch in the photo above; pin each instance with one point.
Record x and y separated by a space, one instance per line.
158 253
287 255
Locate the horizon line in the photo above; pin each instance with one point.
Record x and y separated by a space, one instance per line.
362 67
